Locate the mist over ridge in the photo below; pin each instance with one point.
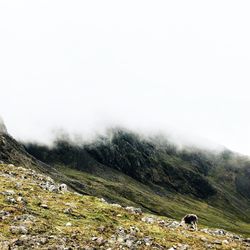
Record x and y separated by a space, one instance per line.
157 137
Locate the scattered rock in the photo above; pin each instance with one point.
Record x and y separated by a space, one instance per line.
149 220
22 200
217 242
101 229
103 200
4 214
68 210
219 232
71 205
236 237
204 239
10 200
18 230
25 218
9 192
116 205
247 240
225 242
182 246
45 206
162 223
173 224
133 210
99 240
179 247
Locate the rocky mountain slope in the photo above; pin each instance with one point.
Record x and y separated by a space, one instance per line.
13 152
158 177
36 214
133 171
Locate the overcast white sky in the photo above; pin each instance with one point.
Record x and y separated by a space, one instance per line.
152 65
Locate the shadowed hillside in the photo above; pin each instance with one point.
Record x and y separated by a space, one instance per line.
159 178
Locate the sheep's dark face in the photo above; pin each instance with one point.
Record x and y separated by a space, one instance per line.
63 187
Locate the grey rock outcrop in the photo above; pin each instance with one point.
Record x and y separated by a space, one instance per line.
3 129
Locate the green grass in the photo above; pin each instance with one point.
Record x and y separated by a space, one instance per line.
127 191
89 213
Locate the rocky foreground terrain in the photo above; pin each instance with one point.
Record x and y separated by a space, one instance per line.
38 213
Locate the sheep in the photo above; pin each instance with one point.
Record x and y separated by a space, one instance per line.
190 220
63 188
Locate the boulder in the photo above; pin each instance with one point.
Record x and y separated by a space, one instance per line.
18 230
133 210
3 129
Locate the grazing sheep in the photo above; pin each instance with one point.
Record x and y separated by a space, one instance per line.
63 188
190 221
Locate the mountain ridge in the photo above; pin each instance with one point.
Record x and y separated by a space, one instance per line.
136 171
150 170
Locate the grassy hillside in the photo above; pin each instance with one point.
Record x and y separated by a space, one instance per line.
157 177
127 191
34 215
